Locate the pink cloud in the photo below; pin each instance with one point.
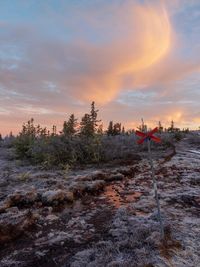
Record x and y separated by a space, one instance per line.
136 47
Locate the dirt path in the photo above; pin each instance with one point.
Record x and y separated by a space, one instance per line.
184 200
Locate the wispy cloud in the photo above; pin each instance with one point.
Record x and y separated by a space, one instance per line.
74 53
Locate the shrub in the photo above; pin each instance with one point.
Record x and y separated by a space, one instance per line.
54 150
22 145
178 136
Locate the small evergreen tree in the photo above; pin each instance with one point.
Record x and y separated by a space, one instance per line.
86 126
89 122
160 127
69 127
142 127
100 129
29 129
110 128
186 130
54 130
26 138
43 132
172 125
117 128
93 116
64 129
1 139
171 128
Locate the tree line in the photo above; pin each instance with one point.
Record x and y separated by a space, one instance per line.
88 127
77 142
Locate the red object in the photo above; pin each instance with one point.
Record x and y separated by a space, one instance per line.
148 135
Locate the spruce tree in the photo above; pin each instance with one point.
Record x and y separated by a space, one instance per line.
100 129
86 126
171 128
93 116
172 125
89 122
43 132
160 127
117 128
69 127
54 130
110 128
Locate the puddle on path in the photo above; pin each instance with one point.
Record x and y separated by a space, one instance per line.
117 196
133 197
113 196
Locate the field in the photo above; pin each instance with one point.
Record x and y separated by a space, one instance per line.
102 214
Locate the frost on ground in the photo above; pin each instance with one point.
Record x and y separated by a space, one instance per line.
104 217
134 241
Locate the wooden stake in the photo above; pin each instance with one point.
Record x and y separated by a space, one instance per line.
155 187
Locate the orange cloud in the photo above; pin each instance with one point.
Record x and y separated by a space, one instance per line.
153 39
107 49
145 37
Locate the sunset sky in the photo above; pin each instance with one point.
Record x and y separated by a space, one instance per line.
134 58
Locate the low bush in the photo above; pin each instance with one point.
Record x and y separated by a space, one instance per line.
59 150
82 143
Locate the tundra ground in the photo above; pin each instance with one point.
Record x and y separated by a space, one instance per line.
103 216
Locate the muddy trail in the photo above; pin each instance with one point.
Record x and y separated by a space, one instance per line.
75 219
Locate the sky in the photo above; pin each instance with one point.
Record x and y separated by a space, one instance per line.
134 58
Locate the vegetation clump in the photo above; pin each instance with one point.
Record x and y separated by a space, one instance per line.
76 143
82 142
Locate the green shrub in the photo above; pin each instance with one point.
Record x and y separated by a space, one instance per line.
23 145
178 136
